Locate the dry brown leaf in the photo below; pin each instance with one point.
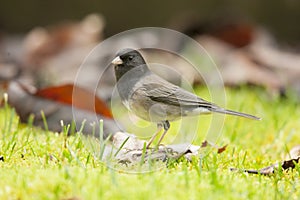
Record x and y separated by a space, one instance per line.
284 165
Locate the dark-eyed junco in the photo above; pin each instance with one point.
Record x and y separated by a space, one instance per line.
154 99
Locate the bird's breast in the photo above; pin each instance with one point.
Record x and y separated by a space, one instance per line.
149 110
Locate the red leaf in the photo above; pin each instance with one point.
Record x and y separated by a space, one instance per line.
76 96
238 35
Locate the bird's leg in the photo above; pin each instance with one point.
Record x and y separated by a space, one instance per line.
166 125
159 127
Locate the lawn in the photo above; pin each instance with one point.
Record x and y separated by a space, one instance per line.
39 164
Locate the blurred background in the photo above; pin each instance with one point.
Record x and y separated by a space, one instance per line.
281 17
252 42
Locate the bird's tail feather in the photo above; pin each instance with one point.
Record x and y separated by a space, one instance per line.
231 112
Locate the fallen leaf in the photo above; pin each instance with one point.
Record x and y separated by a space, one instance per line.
294 152
207 143
236 34
27 103
76 96
284 165
222 149
41 43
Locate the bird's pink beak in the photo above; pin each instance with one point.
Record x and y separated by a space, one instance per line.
117 61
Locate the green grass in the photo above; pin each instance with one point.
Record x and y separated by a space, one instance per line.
41 164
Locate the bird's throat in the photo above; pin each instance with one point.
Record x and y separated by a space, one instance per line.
130 72
127 77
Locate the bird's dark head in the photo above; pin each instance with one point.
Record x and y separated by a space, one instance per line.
126 60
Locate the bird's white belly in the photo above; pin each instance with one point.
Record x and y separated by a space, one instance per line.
197 111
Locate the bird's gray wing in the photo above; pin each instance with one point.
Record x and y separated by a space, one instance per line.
167 93
173 95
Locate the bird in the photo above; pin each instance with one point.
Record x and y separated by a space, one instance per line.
154 99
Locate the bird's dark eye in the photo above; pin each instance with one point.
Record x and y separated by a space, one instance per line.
130 57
